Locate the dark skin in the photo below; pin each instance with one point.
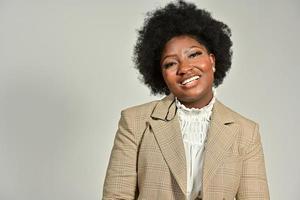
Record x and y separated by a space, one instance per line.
188 71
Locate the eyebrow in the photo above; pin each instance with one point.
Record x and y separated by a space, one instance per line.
200 47
170 55
189 48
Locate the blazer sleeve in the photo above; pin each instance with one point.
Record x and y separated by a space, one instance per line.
121 176
253 182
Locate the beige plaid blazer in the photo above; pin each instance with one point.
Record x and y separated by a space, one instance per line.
148 160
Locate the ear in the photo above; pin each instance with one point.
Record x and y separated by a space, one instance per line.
212 58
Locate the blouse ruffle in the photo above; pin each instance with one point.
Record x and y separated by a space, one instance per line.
194 125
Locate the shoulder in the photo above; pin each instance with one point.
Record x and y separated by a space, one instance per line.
239 118
248 129
140 111
135 118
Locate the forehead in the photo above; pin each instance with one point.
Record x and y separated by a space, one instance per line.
181 42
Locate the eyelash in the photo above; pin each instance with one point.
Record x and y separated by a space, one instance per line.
170 64
193 55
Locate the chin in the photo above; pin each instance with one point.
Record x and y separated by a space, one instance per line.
190 99
195 96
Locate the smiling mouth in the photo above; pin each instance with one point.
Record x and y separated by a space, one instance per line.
189 80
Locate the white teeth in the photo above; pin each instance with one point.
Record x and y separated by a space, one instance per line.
190 80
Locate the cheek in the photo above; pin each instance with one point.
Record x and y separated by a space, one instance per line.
207 66
169 76
209 76
208 71
165 77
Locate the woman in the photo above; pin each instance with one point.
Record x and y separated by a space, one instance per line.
187 145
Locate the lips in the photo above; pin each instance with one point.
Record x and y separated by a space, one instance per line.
190 79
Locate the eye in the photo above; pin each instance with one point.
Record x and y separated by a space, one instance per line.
195 54
168 64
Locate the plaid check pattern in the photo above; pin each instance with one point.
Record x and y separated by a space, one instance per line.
148 160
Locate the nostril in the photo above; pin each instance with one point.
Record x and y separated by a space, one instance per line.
183 69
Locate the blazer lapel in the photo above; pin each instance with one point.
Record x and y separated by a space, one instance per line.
220 137
166 128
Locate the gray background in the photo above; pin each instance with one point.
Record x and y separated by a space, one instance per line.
66 73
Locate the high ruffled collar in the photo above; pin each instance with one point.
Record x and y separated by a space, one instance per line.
207 108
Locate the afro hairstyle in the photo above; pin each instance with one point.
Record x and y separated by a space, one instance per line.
177 19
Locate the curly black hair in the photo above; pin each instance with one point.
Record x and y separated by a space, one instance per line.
176 19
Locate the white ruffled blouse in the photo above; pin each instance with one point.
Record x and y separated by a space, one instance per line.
194 125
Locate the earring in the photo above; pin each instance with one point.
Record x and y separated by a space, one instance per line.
213 68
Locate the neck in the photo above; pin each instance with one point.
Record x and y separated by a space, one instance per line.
199 103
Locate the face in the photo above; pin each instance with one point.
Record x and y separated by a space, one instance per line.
188 70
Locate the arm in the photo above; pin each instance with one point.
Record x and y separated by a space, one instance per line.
121 176
253 183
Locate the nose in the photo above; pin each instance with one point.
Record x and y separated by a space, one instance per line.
184 67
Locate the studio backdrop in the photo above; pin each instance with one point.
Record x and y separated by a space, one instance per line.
66 72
